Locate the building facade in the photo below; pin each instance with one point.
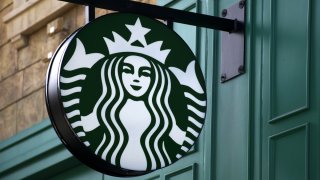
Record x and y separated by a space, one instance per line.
264 124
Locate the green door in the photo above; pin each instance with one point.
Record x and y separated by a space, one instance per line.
286 83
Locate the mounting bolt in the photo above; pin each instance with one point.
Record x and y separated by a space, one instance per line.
223 77
241 69
224 13
241 4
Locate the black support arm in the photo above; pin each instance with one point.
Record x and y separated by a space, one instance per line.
165 13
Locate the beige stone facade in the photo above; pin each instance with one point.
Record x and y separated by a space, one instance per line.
30 31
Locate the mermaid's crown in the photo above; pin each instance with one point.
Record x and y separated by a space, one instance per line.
138 33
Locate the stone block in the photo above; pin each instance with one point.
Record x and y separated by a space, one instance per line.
30 110
17 3
8 61
33 15
80 15
54 41
11 90
34 77
19 41
70 21
8 121
74 18
56 26
4 4
3 28
35 51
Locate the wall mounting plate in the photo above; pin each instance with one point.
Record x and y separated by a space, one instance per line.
233 43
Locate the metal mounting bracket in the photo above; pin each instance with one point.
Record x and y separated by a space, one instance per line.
232 25
174 15
233 44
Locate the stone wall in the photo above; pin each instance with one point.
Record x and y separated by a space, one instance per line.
30 31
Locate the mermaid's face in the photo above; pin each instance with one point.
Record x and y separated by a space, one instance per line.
136 72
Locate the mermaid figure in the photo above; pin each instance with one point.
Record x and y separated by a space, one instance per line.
140 116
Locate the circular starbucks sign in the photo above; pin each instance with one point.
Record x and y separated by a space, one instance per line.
126 95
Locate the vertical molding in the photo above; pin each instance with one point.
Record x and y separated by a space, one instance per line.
210 58
255 52
250 66
189 7
271 56
275 118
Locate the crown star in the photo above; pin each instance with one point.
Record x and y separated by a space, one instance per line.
138 32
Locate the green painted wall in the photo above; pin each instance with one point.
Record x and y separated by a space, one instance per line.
263 125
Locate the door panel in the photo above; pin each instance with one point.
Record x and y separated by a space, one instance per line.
296 160
289 57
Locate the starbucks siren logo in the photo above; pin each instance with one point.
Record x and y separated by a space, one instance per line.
127 101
